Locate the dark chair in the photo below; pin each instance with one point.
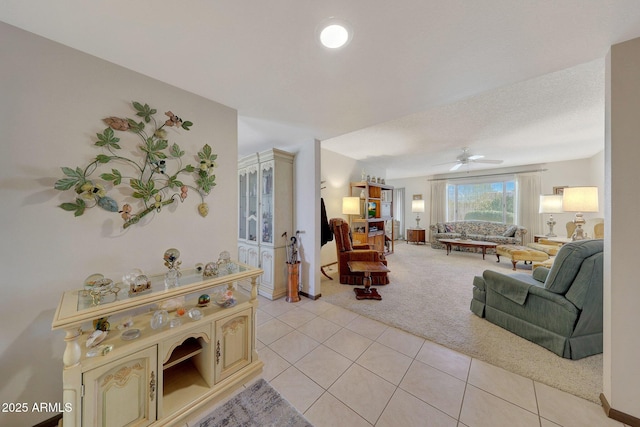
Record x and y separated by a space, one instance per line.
347 252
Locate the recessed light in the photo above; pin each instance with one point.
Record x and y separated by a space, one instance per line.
334 34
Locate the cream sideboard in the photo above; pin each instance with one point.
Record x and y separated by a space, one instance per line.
166 374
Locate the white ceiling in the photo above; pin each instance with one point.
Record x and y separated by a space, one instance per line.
520 81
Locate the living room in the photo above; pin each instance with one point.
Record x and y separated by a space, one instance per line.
56 98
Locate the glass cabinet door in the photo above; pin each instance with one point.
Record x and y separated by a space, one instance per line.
242 208
267 203
252 220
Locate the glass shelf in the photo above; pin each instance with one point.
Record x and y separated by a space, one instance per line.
77 306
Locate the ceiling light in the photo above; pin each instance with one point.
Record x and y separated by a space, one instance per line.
334 34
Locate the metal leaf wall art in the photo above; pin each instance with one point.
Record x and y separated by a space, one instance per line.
154 180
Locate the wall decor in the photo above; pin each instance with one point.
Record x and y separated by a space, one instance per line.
559 190
152 181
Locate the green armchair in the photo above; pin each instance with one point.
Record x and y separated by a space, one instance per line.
558 308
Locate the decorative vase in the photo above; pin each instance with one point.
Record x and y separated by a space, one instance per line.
292 282
171 278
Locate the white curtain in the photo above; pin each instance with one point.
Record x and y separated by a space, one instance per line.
528 187
398 200
438 202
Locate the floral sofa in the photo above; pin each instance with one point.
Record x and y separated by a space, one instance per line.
476 230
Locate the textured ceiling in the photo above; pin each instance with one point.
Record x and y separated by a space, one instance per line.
520 81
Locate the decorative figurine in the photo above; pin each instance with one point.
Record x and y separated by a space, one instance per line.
140 285
210 270
101 324
160 319
97 287
204 300
226 299
171 262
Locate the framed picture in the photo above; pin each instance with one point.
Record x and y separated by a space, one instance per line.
559 190
417 197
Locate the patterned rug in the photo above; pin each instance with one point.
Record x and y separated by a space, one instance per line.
259 405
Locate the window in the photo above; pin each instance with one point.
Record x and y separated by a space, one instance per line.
485 200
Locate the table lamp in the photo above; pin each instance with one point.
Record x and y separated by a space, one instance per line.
579 200
351 206
417 206
550 204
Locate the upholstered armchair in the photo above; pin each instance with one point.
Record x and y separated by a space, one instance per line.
346 252
594 228
558 308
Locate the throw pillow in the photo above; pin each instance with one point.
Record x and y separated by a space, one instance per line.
510 232
440 227
448 228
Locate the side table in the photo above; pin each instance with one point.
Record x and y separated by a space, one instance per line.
416 235
367 268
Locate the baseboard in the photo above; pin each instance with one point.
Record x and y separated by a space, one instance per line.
313 297
51 422
614 414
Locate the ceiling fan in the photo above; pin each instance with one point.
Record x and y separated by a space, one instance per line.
466 157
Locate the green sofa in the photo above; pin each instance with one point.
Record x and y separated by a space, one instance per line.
558 308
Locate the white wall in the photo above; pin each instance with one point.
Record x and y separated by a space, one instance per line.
53 102
575 173
621 290
337 172
307 214
571 173
418 185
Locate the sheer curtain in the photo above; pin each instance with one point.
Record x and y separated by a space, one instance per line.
528 185
398 200
438 202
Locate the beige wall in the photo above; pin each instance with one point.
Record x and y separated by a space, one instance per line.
575 173
419 186
337 172
580 172
621 290
307 213
53 100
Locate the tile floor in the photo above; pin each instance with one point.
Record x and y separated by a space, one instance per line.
342 369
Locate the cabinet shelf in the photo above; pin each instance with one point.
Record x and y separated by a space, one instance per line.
182 384
185 351
377 209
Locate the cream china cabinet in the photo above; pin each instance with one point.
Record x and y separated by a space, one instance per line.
166 374
265 184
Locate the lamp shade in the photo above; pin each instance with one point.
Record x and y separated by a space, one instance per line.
550 203
417 206
351 205
580 199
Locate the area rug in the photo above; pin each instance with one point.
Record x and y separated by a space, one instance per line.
429 296
259 405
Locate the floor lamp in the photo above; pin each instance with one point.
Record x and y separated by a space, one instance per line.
550 204
351 206
417 206
579 200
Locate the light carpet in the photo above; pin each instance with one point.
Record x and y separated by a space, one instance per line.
259 405
429 296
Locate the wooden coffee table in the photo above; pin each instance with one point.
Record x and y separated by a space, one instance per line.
367 268
468 244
